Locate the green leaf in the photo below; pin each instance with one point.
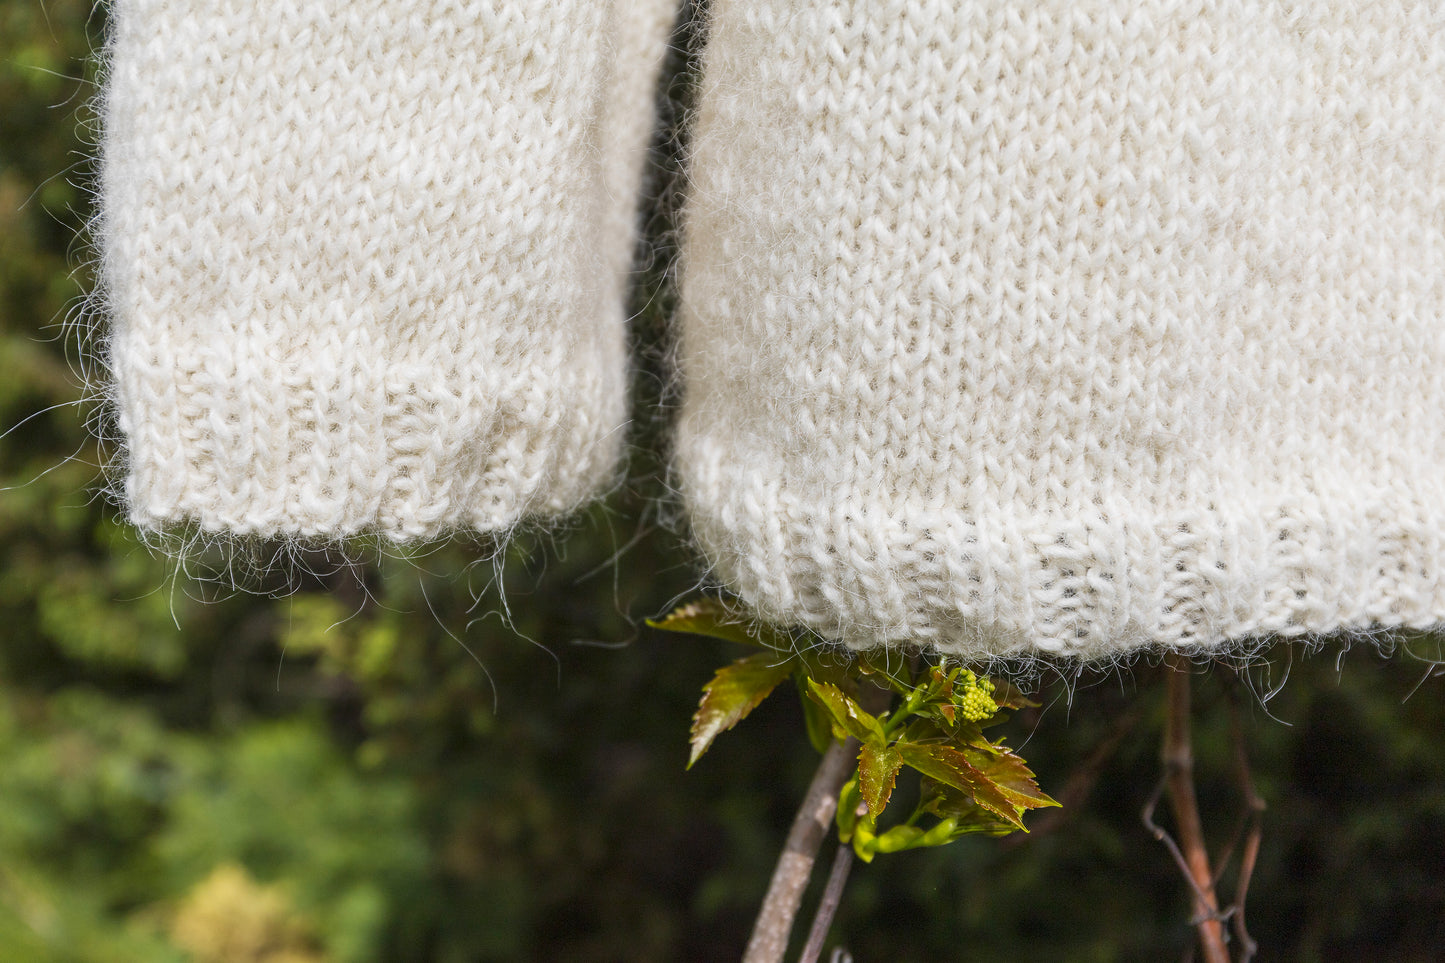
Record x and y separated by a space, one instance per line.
940 683
951 767
848 717
945 832
865 840
898 838
711 617
847 814
1011 775
734 692
815 718
877 771
959 808
927 729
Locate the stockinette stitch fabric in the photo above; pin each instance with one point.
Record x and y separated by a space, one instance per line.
1071 326
364 260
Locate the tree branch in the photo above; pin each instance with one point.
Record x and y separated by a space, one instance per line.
1254 807
1077 787
1178 758
769 940
828 905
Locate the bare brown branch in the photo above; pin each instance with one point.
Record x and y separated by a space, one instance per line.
774 925
828 905
1254 808
1178 758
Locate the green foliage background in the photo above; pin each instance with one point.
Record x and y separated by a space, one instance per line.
373 763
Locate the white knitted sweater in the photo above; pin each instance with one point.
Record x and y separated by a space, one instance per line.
1048 327
365 258
1069 326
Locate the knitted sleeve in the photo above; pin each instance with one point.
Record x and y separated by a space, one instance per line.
365 259
1070 326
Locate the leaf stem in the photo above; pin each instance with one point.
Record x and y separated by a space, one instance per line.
907 709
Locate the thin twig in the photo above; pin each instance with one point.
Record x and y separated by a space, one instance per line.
1078 786
1162 834
1247 814
769 940
1255 807
1178 757
828 905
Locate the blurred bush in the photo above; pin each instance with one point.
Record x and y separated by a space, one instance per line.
395 760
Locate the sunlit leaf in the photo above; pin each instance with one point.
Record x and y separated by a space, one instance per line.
1012 777
710 617
734 692
951 767
849 718
847 814
898 838
816 719
968 817
877 771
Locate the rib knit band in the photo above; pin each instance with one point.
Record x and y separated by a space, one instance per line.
1072 326
365 259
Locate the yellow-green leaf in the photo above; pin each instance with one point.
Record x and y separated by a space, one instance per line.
897 839
734 692
815 718
959 809
1012 777
877 771
711 617
849 718
952 768
847 814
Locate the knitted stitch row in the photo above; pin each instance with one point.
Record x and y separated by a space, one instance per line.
1069 326
365 258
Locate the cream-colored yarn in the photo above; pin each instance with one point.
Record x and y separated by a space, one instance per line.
365 259
1070 326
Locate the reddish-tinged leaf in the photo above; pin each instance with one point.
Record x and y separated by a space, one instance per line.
967 815
711 617
940 686
877 771
734 692
849 718
952 768
1009 696
1012 777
